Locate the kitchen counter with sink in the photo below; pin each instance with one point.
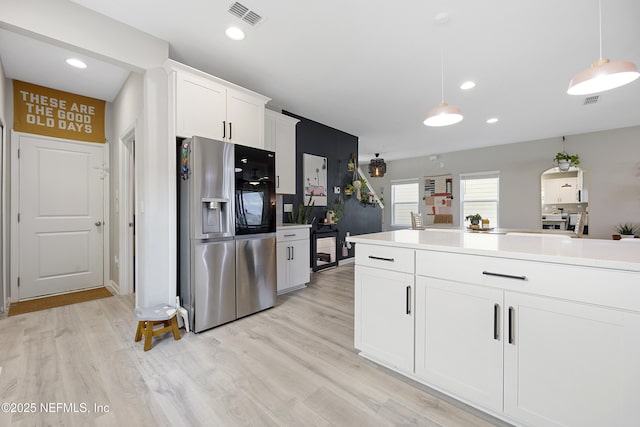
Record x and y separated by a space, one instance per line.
533 328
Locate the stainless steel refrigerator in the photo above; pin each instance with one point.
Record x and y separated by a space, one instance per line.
223 276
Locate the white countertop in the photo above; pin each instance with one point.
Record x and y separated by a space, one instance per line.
615 254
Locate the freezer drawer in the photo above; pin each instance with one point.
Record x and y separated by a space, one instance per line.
256 281
214 284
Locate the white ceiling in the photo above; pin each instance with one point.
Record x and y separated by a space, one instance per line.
34 61
373 68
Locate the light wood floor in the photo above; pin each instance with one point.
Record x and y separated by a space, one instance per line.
293 365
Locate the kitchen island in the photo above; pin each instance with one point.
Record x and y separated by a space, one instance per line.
534 329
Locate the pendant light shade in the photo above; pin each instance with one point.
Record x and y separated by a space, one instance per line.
377 167
603 74
444 114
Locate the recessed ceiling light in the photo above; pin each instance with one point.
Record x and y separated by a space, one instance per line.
492 120
74 62
234 33
467 85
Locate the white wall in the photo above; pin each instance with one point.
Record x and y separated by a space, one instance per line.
611 159
157 215
127 111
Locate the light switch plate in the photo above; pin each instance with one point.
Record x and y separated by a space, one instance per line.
288 207
336 190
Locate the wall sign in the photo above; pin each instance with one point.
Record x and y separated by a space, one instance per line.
315 178
438 193
44 111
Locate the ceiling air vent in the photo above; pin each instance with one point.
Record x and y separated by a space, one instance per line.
243 12
591 100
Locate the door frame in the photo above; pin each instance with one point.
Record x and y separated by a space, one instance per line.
4 304
127 182
14 201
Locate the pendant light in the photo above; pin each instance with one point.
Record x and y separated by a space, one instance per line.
377 167
603 74
444 114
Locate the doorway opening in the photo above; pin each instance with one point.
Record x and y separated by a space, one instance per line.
127 218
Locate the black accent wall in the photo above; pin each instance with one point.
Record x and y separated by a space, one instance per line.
337 146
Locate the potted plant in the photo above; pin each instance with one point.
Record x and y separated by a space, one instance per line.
565 160
336 207
348 189
626 231
304 212
474 220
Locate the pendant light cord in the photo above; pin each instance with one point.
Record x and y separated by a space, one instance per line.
442 72
600 18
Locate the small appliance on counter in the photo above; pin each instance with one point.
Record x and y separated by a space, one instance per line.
227 247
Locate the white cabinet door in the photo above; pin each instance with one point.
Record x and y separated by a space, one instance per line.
270 134
299 264
280 136
568 192
293 259
245 116
459 339
384 316
571 364
282 260
201 107
285 134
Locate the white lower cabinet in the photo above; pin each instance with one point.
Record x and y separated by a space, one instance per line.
536 344
293 253
564 363
571 364
384 319
459 339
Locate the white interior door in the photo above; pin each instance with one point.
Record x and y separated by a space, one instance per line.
61 215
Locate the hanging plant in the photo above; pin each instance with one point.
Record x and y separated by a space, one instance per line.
565 160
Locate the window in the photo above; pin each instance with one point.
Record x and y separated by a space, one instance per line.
404 200
479 195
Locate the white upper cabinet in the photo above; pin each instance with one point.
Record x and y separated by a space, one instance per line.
280 136
213 108
201 107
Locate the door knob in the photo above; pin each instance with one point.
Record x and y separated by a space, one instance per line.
98 223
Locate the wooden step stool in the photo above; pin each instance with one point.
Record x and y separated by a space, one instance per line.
151 316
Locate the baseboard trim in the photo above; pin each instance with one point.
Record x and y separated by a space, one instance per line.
347 261
113 287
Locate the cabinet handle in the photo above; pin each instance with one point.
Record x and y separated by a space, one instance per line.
277 181
512 334
289 235
381 259
224 129
408 299
579 196
496 322
506 276
288 253
293 254
230 131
